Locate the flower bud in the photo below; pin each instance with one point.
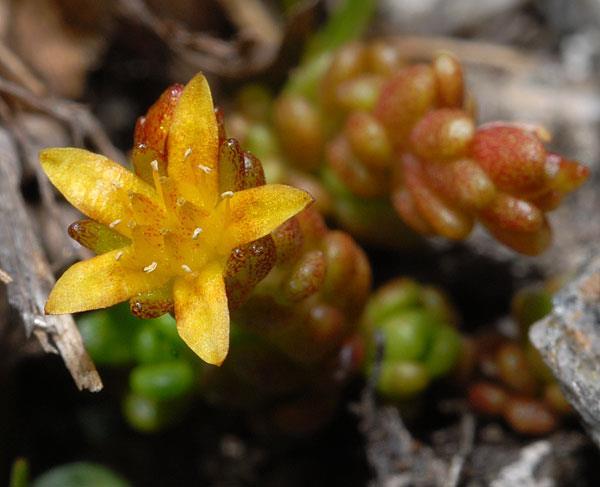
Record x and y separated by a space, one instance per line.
288 239
152 129
97 237
246 267
152 304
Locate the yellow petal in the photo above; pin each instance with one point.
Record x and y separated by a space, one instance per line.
147 211
202 314
193 144
100 282
255 212
94 184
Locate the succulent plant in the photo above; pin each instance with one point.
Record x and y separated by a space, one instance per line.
294 294
414 326
372 127
514 383
165 232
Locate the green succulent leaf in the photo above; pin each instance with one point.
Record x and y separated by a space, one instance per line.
78 474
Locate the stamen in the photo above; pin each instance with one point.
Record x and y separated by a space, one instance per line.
151 267
227 194
187 153
197 232
204 169
154 165
115 223
118 255
158 186
186 268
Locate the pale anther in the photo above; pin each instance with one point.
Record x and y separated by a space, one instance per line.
118 255
154 165
197 232
187 153
114 223
151 267
186 268
227 194
204 169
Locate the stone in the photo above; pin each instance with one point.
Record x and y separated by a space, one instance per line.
569 342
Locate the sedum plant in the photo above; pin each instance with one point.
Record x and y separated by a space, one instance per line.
512 380
414 326
293 295
166 231
374 129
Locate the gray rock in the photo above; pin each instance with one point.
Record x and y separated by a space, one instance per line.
569 341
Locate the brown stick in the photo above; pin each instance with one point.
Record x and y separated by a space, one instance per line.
76 116
22 258
18 70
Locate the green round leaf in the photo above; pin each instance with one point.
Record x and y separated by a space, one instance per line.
162 381
80 474
157 341
393 299
531 305
105 339
443 352
407 335
260 140
402 380
145 414
437 303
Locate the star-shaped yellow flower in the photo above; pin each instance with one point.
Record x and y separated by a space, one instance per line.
174 234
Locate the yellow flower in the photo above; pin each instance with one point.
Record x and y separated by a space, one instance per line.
175 234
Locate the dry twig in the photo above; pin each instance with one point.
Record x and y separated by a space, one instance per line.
260 43
77 117
467 439
18 70
22 258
